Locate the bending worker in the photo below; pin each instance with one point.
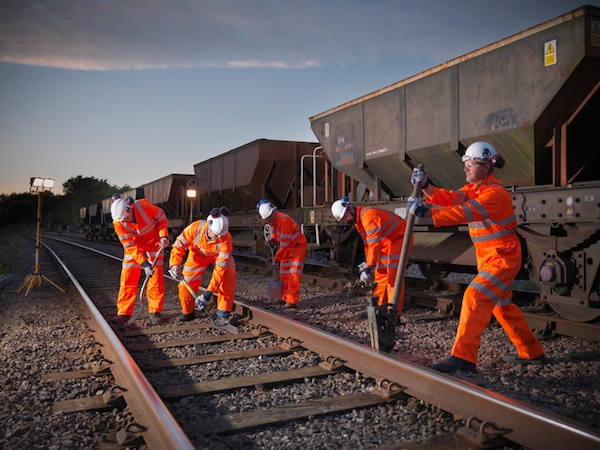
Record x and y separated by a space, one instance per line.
207 242
485 204
382 233
291 253
141 228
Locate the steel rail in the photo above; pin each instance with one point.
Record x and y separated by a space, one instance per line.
528 426
161 429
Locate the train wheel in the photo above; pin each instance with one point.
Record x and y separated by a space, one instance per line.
575 313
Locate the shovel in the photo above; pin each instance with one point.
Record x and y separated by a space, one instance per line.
139 304
382 323
275 291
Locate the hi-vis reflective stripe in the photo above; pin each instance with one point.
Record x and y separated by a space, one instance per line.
459 197
492 236
227 263
375 235
287 239
468 210
488 222
149 222
506 293
194 274
291 267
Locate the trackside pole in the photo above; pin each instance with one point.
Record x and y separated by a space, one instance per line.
382 325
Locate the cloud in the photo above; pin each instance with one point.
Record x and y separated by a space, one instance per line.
157 34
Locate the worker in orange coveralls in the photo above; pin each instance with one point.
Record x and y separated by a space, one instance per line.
291 253
141 228
382 233
207 242
485 204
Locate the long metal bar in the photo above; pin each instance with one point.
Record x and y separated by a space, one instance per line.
163 431
530 426
400 274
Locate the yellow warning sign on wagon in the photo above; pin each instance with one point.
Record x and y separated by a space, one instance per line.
595 33
550 53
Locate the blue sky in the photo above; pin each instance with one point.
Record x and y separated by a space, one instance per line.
132 90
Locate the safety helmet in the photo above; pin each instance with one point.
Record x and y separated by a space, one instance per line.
218 225
265 208
339 207
483 151
120 208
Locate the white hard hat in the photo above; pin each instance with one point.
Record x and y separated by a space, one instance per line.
218 225
483 151
339 207
120 209
265 208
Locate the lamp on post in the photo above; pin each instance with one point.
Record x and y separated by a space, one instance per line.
34 280
191 193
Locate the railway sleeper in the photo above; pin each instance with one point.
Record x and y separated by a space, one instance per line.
113 398
286 413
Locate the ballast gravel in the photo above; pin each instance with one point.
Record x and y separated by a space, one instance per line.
44 333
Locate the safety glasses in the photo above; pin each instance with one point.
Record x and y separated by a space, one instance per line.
470 164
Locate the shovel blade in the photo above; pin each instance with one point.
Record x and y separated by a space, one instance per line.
275 291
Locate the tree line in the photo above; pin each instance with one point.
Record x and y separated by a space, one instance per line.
58 211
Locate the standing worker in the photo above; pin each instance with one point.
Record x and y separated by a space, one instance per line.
291 253
382 233
485 204
207 242
142 229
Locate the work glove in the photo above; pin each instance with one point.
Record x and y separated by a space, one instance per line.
148 270
415 207
203 300
419 175
175 272
364 272
272 243
164 241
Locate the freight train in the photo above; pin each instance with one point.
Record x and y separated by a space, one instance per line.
534 96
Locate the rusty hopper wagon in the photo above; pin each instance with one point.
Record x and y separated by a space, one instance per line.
281 171
535 97
169 193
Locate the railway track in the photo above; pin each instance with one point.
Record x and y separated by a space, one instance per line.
223 387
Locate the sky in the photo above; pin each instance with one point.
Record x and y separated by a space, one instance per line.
129 91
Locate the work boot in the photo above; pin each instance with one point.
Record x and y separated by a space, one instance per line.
120 319
516 359
186 317
290 305
221 321
155 318
454 364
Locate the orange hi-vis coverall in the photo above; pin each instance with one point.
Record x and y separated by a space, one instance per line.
140 239
290 256
382 233
203 252
492 226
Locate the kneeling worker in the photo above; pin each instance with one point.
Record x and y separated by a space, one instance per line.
207 242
